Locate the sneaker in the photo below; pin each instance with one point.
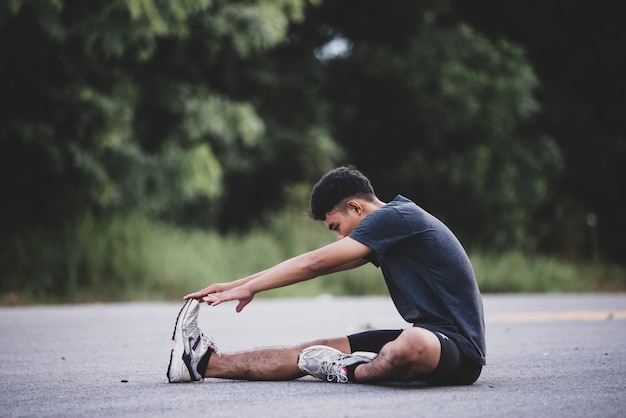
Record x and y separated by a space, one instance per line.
329 364
190 346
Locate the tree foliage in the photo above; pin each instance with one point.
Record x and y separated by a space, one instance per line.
576 52
115 105
202 113
445 117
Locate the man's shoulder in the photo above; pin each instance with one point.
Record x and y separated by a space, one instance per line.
392 219
400 200
404 206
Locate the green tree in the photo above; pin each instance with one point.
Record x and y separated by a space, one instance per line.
576 51
203 111
137 104
443 115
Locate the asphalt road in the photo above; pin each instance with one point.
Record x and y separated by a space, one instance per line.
548 356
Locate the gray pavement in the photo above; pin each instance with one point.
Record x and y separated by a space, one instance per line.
548 356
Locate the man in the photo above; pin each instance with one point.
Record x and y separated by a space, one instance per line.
429 277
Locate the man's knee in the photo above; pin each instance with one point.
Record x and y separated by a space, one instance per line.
416 348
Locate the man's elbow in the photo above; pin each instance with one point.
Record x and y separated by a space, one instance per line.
315 266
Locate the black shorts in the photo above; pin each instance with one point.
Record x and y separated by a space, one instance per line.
454 367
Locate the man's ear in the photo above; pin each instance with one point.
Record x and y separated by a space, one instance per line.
355 206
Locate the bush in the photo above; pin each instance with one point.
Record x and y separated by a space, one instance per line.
133 258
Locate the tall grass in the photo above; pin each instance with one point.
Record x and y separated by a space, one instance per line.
133 258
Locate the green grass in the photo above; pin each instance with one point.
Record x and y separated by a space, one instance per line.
515 272
133 258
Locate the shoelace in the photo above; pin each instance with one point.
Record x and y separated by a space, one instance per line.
335 371
211 344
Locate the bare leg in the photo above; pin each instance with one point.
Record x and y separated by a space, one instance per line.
267 363
416 351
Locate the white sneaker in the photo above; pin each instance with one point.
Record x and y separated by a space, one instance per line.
330 364
190 346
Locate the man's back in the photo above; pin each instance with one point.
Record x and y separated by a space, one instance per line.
427 271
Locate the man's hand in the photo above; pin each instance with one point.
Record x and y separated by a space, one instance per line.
241 293
214 288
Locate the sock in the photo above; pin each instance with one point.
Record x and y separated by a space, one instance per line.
204 362
350 369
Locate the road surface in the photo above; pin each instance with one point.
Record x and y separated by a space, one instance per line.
548 356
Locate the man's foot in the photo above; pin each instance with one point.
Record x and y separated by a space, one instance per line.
191 347
329 364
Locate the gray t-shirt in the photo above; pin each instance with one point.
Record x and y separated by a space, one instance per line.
428 273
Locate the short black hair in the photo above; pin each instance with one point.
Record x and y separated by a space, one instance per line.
335 186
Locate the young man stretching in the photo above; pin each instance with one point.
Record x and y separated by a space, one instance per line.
429 277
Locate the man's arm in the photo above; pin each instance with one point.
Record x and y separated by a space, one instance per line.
347 266
221 287
341 255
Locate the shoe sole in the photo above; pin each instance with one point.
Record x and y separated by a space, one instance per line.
367 354
185 308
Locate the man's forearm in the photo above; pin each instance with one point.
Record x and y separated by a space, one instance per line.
286 273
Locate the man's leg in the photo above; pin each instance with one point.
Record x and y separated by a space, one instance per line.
403 355
415 352
266 364
195 356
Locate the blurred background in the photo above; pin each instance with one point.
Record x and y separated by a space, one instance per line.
150 147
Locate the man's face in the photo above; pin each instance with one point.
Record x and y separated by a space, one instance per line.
343 222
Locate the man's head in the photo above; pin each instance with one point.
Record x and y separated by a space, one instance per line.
338 186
